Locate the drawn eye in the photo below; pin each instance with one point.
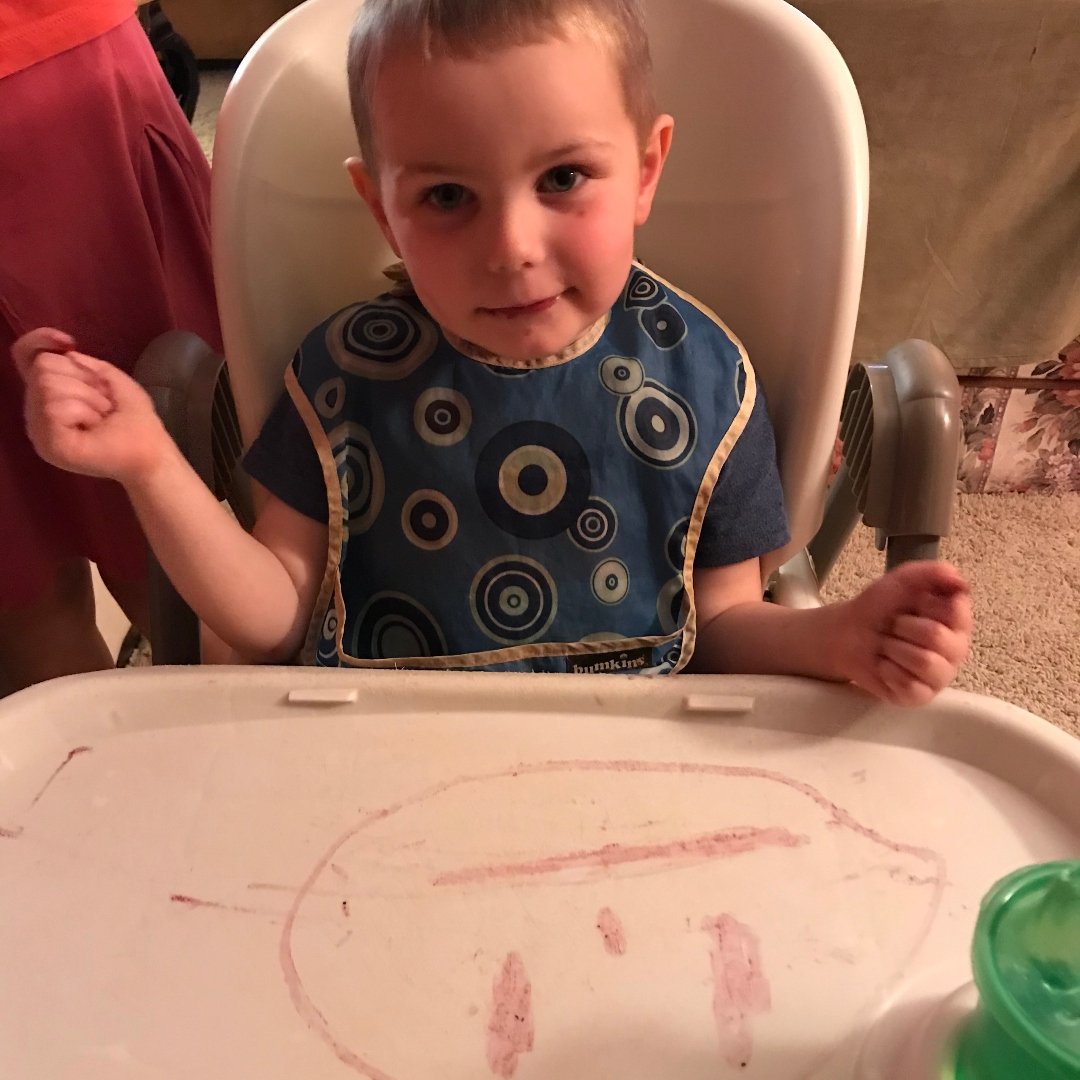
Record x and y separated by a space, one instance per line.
447 196
561 179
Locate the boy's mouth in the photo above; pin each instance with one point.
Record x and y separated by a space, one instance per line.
517 310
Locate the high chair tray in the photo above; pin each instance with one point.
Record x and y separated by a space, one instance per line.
281 873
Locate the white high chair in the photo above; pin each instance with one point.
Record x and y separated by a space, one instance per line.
395 875
761 214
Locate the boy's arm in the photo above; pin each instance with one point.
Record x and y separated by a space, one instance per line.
255 592
737 631
903 638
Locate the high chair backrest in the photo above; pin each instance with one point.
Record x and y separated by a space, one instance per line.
761 212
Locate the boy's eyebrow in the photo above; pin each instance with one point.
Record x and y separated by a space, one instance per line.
573 149
570 150
430 168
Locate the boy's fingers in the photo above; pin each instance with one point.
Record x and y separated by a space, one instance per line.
943 578
71 413
60 374
940 578
45 339
932 634
61 386
919 664
115 383
48 360
90 364
71 365
935 590
953 611
903 688
920 630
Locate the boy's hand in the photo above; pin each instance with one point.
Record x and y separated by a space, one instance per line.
83 414
908 632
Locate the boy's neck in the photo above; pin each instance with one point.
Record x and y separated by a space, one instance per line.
398 274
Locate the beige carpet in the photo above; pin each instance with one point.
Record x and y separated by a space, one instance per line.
1021 554
212 87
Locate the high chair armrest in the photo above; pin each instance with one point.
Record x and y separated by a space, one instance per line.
795 584
189 385
900 431
180 372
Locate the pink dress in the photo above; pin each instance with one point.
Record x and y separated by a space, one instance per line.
104 204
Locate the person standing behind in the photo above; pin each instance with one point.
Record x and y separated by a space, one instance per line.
104 209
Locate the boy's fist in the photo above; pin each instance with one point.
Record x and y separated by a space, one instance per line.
909 632
83 414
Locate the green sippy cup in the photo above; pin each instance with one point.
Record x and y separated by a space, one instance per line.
1026 960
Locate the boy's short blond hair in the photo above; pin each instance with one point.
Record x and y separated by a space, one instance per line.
469 28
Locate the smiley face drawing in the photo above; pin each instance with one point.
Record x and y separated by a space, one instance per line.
534 922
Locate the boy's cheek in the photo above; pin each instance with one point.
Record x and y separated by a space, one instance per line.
605 265
598 239
427 246
437 277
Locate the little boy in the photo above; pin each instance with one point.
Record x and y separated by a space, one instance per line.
533 453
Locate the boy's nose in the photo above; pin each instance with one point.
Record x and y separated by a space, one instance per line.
515 236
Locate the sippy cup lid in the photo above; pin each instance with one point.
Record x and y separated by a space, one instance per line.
1026 961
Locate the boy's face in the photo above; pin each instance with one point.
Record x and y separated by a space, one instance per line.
510 186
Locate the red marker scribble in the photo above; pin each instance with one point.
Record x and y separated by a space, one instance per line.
510 1029
195 902
727 842
14 832
740 989
306 1009
611 930
56 772
271 887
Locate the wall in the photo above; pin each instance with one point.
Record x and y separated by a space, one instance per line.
223 29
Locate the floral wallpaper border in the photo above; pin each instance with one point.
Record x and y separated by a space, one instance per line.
1023 440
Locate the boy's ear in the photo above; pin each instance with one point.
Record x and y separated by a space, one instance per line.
652 165
367 187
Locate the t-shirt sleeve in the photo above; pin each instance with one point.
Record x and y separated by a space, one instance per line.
746 517
283 459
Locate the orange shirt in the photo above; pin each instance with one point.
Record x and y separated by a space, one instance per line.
33 30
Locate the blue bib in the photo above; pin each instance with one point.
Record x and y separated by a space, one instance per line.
539 518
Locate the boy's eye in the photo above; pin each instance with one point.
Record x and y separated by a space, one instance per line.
446 196
561 179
